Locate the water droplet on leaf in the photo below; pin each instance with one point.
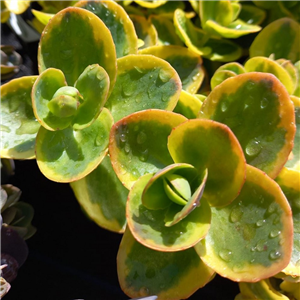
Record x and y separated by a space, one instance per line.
141 138
236 214
225 255
275 255
253 147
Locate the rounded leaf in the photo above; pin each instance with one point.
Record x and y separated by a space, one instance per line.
18 123
103 197
281 38
138 144
96 46
171 276
143 82
258 110
68 155
148 226
250 239
208 144
187 64
117 21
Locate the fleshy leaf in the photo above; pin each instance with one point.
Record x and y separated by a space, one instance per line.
199 41
258 110
259 290
252 14
281 38
143 271
188 105
116 19
266 65
291 70
42 17
154 196
144 30
165 30
187 64
42 93
250 239
93 85
138 144
143 82
289 181
297 91
103 197
68 155
148 226
294 157
96 45
207 144
18 123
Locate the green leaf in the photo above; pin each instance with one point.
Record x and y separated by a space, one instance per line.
138 144
144 30
165 30
150 3
266 65
281 38
18 123
103 197
252 14
207 144
96 45
42 17
258 110
188 105
289 181
93 85
143 271
68 155
143 82
187 64
117 21
148 226
250 239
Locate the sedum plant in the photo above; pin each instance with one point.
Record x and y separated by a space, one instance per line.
201 179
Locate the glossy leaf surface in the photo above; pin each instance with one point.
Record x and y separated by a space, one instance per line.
103 197
252 14
117 21
96 44
258 110
138 144
68 155
250 239
151 3
18 123
187 64
266 65
281 38
143 272
143 82
207 144
148 226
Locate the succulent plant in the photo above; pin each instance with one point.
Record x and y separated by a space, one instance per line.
202 180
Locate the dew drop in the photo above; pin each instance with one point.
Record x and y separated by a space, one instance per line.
253 147
127 148
141 138
225 255
224 106
164 75
144 156
253 249
260 223
274 255
275 233
272 208
136 173
264 103
123 137
250 85
261 246
236 214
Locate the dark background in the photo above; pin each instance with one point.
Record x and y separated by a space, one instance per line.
70 257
